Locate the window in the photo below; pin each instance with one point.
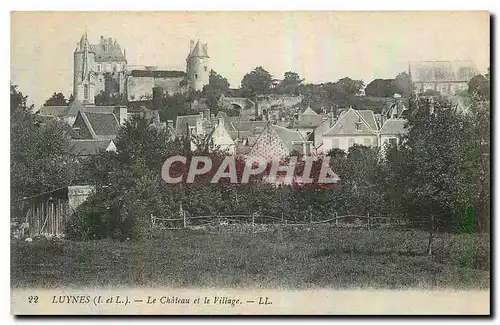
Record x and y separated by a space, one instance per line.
351 142
368 142
393 142
206 69
358 126
98 68
196 76
85 91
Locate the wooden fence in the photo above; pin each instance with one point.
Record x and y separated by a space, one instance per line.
185 220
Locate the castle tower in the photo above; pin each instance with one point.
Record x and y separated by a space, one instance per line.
198 70
84 62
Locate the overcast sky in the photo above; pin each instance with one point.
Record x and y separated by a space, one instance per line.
320 46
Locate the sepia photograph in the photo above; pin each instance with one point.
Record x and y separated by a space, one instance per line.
250 163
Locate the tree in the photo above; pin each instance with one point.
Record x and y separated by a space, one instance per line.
57 99
434 169
350 86
290 84
41 158
403 84
217 86
105 98
256 82
128 183
480 85
381 88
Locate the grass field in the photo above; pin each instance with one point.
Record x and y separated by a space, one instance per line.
286 258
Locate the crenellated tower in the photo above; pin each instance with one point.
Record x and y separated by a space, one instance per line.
84 77
197 69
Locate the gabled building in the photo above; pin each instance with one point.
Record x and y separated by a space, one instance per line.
221 138
70 112
352 127
306 122
276 143
96 126
391 131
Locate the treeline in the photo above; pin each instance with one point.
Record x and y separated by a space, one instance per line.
440 168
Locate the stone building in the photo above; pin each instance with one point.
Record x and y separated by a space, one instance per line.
447 77
103 67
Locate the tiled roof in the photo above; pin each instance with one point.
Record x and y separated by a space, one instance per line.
181 121
354 123
199 50
89 147
250 126
287 136
56 111
309 111
74 107
369 118
107 53
103 124
393 127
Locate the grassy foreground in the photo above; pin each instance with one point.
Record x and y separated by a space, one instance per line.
286 258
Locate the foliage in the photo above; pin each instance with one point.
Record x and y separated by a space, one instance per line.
434 169
480 86
217 86
381 88
257 82
106 98
350 86
40 153
57 99
290 84
403 84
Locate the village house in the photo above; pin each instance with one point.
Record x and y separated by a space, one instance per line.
352 127
276 143
69 113
306 122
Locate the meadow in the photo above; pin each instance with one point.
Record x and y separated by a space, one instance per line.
291 258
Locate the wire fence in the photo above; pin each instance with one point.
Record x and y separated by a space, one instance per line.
187 220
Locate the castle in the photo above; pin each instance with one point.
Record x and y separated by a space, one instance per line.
103 67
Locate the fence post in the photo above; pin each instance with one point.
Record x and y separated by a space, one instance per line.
282 217
431 235
253 222
182 214
336 219
368 220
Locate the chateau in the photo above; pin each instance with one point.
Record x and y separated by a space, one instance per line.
102 67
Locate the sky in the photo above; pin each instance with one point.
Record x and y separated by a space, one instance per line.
320 46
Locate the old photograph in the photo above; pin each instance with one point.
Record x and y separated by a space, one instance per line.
250 163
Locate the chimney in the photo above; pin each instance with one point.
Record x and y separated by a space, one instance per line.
102 40
221 121
170 123
191 46
121 114
207 113
199 126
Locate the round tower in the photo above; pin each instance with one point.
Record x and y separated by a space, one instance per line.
83 74
198 70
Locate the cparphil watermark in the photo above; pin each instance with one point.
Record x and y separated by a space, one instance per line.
271 170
